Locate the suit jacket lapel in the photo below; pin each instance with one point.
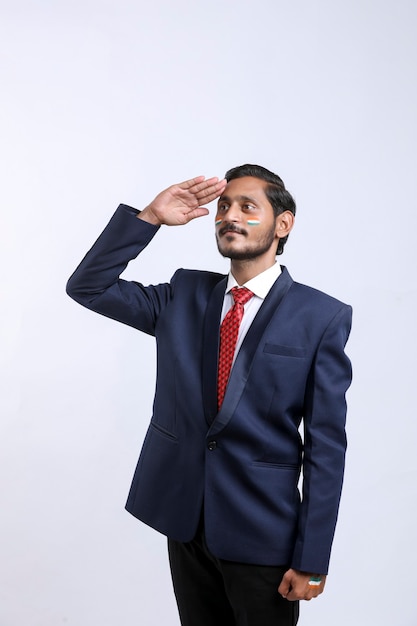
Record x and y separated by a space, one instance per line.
241 367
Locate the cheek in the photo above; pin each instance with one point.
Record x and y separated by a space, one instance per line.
253 222
218 221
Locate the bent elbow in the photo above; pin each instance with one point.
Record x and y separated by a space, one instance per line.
75 290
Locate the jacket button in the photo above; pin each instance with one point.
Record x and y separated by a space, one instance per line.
212 445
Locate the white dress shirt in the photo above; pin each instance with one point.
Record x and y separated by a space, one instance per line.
260 286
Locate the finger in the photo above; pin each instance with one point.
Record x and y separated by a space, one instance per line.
199 212
292 596
213 184
316 585
207 186
299 590
211 193
198 183
209 198
300 594
309 594
284 587
314 592
188 184
200 190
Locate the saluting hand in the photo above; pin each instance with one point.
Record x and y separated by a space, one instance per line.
181 203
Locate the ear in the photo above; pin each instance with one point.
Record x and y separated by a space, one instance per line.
283 224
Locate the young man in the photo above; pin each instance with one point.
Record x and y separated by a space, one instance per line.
242 360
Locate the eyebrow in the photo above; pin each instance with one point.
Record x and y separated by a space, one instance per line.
240 198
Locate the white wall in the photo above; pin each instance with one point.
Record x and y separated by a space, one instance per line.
110 101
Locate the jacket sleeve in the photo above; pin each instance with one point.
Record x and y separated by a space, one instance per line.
324 446
96 284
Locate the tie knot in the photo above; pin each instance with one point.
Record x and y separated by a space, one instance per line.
241 295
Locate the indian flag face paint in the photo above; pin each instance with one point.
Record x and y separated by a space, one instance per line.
217 222
253 222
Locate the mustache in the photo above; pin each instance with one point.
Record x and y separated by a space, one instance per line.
232 228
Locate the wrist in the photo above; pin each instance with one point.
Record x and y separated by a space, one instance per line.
147 215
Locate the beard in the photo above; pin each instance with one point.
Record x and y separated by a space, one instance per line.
251 251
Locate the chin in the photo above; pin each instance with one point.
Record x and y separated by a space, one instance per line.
238 255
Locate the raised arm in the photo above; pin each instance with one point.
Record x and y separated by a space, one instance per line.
96 283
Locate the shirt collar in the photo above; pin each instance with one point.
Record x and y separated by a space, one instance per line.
260 284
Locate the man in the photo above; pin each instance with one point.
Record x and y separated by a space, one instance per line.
242 360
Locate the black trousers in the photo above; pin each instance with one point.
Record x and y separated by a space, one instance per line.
214 592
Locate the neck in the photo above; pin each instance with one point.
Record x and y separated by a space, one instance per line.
244 270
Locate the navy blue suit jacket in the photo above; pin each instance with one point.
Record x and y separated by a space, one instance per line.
244 461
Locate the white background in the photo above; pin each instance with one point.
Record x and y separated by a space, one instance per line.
111 101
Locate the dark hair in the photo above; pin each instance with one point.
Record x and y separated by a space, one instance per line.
280 199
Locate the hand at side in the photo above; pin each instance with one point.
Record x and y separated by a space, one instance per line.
295 586
181 203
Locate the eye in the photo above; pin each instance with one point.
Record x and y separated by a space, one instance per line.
249 207
223 206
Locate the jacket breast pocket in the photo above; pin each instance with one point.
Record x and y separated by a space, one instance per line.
289 351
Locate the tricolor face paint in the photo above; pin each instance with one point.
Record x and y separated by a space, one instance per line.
217 222
253 222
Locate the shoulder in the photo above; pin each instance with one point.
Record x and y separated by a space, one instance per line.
195 278
317 310
317 297
314 297
192 285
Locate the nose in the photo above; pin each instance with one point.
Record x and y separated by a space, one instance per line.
233 213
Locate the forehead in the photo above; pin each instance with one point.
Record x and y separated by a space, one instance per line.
248 187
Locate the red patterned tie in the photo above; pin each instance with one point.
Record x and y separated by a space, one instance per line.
228 337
